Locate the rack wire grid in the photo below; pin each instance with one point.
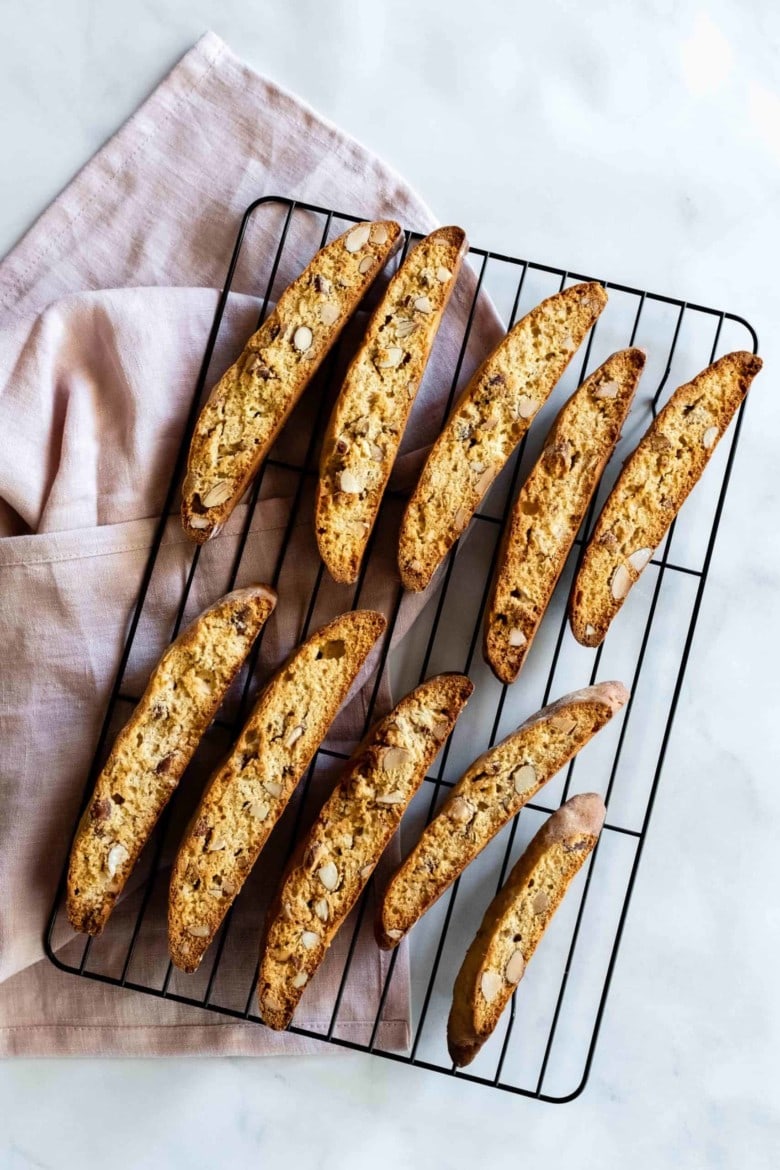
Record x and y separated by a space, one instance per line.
545 1043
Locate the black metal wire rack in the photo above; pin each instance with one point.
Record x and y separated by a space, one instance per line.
545 1044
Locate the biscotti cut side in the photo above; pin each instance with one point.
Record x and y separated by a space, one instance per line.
550 507
250 790
494 412
336 859
487 796
516 920
370 415
152 751
652 487
251 402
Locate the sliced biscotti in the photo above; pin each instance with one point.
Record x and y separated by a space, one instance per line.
250 790
152 751
250 403
494 412
551 506
371 412
515 921
486 797
337 857
652 487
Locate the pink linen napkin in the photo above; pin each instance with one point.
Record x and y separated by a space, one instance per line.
105 307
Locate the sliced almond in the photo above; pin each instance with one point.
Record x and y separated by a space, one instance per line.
461 810
405 327
310 939
443 274
198 931
395 797
322 909
300 980
216 845
394 934
219 494
347 840
491 984
117 856
329 876
524 778
422 305
366 872
349 482
589 630
259 810
294 735
640 558
302 338
199 522
441 729
358 237
620 583
564 723
517 637
461 518
484 481
389 358
378 234
394 757
273 787
709 438
515 966
606 390
526 406
377 454
329 313
365 264
541 902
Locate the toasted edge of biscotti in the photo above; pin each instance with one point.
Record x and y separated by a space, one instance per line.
516 920
250 790
334 862
654 483
370 415
551 506
253 399
494 412
147 760
491 791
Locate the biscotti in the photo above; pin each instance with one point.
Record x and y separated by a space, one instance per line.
249 405
152 751
515 921
550 507
337 857
486 797
494 412
370 415
250 790
652 487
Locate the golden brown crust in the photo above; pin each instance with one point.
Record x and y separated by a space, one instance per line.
487 796
494 412
337 857
550 507
153 749
252 400
250 790
652 487
370 415
515 921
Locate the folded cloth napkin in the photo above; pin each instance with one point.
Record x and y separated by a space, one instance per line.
105 307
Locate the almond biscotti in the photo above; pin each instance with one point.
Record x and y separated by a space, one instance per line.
250 790
494 412
251 402
337 857
652 487
515 921
152 751
370 415
551 506
486 797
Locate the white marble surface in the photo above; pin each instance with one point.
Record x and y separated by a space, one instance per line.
641 141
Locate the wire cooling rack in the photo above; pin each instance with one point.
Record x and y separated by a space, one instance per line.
545 1043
